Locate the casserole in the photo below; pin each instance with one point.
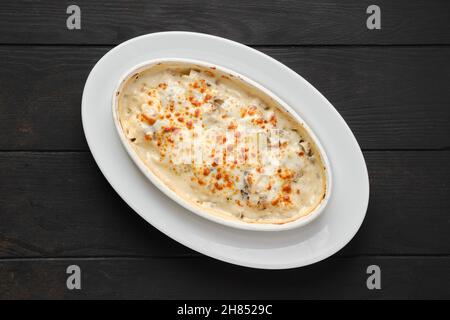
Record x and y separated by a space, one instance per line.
221 145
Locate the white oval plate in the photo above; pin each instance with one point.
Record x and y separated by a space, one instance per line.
321 238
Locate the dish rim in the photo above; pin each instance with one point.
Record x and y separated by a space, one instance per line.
299 222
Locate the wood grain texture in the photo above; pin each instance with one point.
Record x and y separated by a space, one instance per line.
390 85
203 278
59 205
392 98
250 22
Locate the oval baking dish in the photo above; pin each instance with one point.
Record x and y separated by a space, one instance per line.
221 145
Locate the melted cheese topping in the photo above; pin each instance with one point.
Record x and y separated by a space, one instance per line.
221 144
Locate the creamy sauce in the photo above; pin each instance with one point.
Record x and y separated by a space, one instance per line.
221 144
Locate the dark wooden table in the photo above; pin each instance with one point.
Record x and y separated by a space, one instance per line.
392 86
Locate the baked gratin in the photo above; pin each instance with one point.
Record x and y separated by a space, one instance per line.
221 144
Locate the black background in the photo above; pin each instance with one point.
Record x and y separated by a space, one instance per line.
392 86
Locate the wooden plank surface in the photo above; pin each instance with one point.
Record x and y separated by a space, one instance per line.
59 205
392 98
204 278
251 22
390 85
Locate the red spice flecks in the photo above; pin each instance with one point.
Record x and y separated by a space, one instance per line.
206 171
207 97
189 124
273 120
251 110
170 129
286 188
259 121
194 102
232 126
197 113
275 201
285 174
162 85
147 119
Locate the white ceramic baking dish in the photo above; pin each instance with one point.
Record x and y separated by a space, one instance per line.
301 221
